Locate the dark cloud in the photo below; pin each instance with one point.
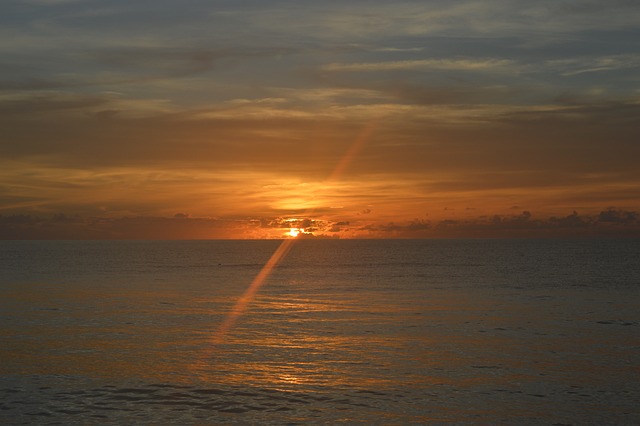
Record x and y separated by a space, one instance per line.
412 229
612 215
608 223
593 7
61 226
611 222
130 66
625 224
92 131
591 115
146 64
309 225
31 107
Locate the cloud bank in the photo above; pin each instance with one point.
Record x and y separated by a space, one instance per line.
122 109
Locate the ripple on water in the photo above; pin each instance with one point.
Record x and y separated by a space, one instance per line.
73 400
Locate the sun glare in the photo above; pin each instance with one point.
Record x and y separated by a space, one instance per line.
294 232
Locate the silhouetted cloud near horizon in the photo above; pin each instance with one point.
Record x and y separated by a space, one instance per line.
608 223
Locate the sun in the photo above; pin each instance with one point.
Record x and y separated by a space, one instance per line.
294 232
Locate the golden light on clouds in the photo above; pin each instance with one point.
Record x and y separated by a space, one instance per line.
294 232
392 129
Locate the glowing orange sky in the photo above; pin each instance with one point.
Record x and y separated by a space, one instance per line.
424 119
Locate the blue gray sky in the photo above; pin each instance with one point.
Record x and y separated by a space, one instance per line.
242 119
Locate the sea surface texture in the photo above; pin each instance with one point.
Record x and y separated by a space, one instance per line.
397 332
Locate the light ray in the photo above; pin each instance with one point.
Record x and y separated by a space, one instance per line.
249 294
282 250
353 150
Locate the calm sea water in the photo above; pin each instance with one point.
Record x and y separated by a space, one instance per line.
359 331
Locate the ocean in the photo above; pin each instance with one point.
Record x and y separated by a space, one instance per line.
390 332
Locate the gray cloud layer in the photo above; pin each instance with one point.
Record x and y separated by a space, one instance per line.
503 101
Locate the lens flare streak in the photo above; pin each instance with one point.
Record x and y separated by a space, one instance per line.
249 294
285 246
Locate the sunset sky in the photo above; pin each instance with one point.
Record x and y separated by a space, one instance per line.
242 119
